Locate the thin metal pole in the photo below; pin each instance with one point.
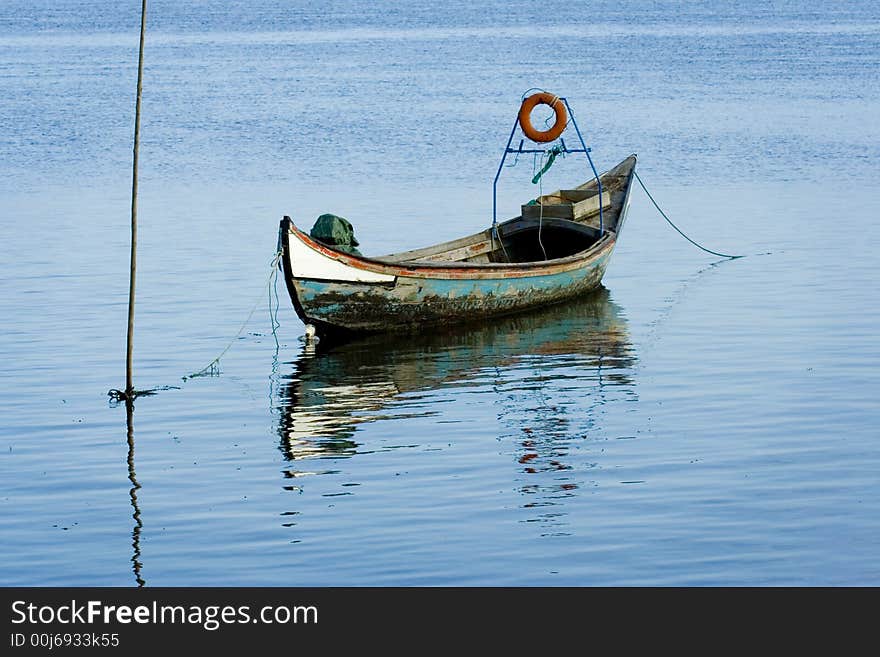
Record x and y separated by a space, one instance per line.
498 174
129 386
592 166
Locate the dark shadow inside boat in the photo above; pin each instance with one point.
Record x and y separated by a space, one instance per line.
550 241
335 386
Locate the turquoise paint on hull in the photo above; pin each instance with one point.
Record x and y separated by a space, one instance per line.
413 302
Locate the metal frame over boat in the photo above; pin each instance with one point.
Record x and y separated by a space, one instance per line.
558 248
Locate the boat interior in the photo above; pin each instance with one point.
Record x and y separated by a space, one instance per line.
547 240
556 225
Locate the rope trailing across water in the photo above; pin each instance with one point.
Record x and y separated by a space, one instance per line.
669 221
213 367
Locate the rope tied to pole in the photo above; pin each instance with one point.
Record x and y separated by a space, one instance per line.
213 368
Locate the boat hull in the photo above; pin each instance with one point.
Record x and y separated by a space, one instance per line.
415 302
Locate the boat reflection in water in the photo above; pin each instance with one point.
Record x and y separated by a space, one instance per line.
545 375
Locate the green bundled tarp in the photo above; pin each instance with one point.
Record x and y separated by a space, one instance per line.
335 232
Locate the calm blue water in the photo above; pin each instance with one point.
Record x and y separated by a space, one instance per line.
694 423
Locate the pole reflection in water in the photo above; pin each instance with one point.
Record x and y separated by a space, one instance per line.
135 486
548 373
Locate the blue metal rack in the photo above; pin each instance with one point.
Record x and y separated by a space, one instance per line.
564 149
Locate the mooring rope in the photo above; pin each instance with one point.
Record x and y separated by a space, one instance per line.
213 367
669 221
273 311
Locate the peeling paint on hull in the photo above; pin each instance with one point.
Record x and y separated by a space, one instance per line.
416 302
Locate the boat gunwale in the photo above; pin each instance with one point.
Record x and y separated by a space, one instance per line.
452 269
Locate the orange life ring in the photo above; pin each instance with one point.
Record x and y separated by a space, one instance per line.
525 117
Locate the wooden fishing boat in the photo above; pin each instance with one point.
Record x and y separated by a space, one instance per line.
558 248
